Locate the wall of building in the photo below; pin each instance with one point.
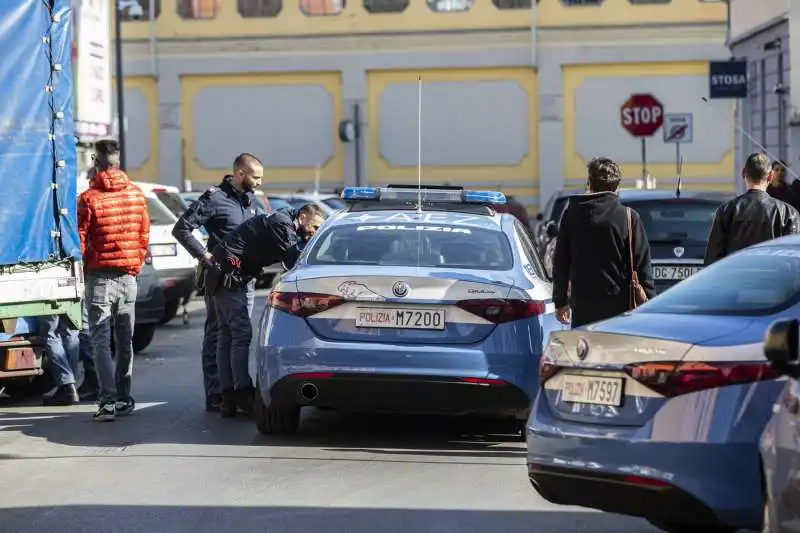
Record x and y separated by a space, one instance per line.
517 99
764 41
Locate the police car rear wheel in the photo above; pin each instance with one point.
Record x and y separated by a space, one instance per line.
275 420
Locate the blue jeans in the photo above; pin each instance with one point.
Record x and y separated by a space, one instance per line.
235 332
111 298
61 348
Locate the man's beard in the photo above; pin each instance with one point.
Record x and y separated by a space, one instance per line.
303 234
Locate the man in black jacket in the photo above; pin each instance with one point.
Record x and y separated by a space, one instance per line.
752 217
219 210
591 268
260 241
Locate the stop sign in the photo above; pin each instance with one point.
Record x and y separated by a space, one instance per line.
642 115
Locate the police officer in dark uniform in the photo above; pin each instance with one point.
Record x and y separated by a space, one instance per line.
261 241
219 210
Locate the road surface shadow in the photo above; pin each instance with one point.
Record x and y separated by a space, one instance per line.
332 431
211 519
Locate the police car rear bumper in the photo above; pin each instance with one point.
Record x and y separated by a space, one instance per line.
408 394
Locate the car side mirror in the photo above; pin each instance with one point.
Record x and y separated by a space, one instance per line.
781 347
540 216
552 231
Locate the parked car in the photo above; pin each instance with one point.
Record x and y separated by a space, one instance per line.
328 203
174 265
150 306
658 413
780 444
677 228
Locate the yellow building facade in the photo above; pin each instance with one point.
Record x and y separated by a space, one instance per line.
517 95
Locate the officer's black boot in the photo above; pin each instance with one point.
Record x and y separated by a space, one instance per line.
229 407
244 399
214 403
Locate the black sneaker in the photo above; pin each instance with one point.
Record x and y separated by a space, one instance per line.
124 407
105 412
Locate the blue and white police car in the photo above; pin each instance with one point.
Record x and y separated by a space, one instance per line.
424 301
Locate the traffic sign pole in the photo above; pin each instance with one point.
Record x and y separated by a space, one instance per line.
644 158
678 129
642 115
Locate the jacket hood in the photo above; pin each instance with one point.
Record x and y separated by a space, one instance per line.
596 207
111 180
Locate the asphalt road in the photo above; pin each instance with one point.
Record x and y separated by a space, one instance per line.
173 468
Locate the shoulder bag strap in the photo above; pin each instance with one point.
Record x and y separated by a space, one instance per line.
630 241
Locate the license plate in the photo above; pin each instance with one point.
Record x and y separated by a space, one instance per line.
674 272
592 389
162 250
20 359
377 317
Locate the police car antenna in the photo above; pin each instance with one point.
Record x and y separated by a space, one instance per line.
419 145
680 178
758 144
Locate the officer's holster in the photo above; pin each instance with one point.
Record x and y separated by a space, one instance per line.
213 280
200 276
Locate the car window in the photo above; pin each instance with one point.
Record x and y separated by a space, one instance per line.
278 203
529 251
425 245
753 282
159 215
676 220
261 206
172 201
335 203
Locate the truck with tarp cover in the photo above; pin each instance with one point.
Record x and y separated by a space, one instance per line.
40 252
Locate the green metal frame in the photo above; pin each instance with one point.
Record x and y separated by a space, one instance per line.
70 308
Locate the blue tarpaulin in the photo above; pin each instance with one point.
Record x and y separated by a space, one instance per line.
38 181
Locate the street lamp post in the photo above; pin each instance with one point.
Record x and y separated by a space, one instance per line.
120 84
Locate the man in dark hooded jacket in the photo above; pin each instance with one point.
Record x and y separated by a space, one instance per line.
591 268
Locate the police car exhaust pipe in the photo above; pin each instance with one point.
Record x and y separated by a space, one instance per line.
309 392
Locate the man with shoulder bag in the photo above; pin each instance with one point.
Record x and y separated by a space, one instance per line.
601 265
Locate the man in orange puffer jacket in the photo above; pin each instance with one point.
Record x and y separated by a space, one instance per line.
115 232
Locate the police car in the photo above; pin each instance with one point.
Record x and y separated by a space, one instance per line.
438 307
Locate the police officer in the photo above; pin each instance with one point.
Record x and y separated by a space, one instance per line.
261 241
219 210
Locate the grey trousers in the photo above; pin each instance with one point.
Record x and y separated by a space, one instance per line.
234 307
210 337
111 299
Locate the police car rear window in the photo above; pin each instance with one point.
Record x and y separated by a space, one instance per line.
754 282
410 244
675 221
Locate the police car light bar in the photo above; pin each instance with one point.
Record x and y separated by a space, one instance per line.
428 195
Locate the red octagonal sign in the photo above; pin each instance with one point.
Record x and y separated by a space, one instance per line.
642 115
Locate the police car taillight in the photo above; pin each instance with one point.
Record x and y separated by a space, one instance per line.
500 311
671 379
303 304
